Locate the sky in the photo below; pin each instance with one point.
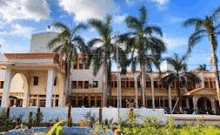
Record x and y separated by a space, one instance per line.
20 19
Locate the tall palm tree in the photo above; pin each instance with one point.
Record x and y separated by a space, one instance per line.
179 75
142 44
101 53
205 27
202 67
67 44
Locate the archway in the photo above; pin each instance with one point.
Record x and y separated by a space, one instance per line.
18 90
204 105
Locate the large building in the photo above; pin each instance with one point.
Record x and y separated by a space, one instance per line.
37 79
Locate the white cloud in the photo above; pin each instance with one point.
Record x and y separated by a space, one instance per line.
174 42
173 20
119 18
24 9
22 31
18 30
161 2
87 9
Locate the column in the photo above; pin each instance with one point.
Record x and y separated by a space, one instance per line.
50 81
213 106
136 92
152 90
195 107
24 104
6 88
38 101
169 98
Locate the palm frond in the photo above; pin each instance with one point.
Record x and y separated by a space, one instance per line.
193 40
80 26
142 12
155 29
191 21
94 41
133 23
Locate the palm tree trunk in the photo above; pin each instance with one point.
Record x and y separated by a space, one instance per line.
109 83
143 84
68 84
214 62
179 94
105 83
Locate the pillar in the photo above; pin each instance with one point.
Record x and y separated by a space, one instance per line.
169 98
136 92
25 101
195 106
6 88
213 106
38 101
152 91
50 82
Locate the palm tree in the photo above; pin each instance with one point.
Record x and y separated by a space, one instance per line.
66 44
179 75
103 54
205 27
141 44
202 67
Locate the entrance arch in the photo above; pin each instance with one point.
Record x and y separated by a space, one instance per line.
204 105
18 90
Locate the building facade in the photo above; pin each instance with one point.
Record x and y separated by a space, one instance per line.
37 79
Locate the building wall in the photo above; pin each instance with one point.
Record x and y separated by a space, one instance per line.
39 41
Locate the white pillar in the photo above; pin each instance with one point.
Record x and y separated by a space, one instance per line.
213 106
152 90
195 106
136 92
50 82
24 103
169 98
6 88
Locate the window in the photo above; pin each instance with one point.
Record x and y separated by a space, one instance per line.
1 84
74 85
55 81
139 84
95 84
80 66
80 84
86 85
132 84
75 66
148 84
155 84
35 80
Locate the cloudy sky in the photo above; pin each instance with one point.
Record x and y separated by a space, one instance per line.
21 18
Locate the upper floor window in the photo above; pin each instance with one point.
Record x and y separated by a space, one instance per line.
95 84
1 84
35 80
80 63
55 81
80 85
